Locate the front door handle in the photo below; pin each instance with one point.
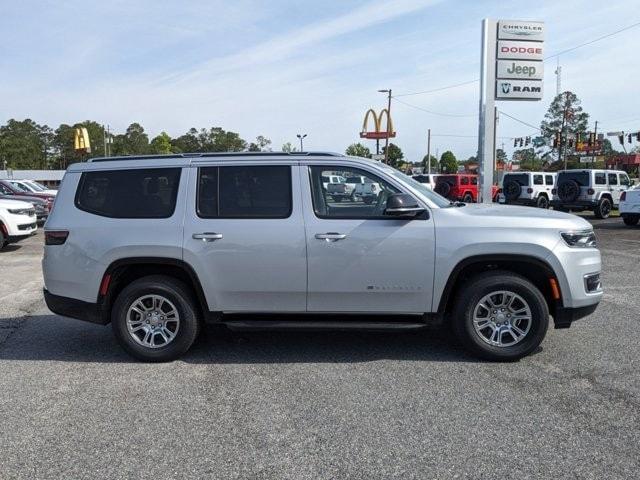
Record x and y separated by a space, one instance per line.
207 236
330 236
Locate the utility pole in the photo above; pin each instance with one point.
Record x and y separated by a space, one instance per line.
386 137
558 76
301 136
429 150
487 111
595 135
104 139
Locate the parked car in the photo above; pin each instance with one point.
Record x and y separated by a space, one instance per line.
6 188
597 190
461 187
527 188
42 207
342 190
164 244
630 206
427 179
364 188
17 221
32 186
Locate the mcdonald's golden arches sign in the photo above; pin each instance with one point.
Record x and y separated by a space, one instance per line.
378 133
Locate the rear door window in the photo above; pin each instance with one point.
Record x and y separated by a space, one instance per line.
131 193
537 180
600 178
613 178
548 179
244 192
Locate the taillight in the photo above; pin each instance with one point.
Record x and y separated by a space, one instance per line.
591 191
55 237
554 191
529 190
623 197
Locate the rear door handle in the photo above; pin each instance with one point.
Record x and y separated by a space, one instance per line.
331 236
207 236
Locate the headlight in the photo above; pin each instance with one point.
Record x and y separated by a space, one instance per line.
580 239
19 211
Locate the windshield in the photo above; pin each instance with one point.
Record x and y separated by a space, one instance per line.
35 185
424 191
20 187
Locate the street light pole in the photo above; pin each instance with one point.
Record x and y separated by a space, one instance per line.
386 137
301 136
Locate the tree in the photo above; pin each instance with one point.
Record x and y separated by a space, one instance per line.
395 154
358 150
187 143
527 159
133 142
161 144
448 162
565 115
262 144
425 163
288 148
25 144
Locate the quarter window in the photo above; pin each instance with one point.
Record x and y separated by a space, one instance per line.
363 200
600 178
244 192
464 181
548 179
132 193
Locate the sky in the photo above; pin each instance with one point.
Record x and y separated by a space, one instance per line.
278 68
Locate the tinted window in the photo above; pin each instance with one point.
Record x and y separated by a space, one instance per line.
144 193
600 178
548 179
613 178
421 178
537 180
582 178
474 180
365 200
521 178
244 192
464 181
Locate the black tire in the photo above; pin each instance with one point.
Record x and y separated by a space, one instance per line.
512 190
179 295
2 239
603 210
542 202
569 191
443 188
482 285
631 220
468 198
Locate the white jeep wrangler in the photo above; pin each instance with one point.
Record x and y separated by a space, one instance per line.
527 188
597 190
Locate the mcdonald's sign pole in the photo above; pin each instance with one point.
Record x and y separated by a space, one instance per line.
386 138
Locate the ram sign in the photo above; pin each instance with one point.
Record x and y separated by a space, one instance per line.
518 89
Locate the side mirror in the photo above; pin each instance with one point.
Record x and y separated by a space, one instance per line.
402 205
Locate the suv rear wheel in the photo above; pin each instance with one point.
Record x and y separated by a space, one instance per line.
155 319
603 209
631 220
542 202
500 316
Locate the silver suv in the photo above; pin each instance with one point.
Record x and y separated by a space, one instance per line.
597 190
159 245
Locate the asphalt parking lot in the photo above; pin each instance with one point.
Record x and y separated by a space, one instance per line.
319 405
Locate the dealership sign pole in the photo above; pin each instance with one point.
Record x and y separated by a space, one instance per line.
511 68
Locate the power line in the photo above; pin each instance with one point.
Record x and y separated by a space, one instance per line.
432 112
521 121
438 89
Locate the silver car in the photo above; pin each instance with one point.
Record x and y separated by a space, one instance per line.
158 246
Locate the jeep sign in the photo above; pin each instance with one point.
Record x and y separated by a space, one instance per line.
508 49
518 89
520 70
519 30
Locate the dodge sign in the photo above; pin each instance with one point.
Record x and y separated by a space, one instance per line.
508 49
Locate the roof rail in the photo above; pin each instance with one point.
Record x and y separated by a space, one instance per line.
215 154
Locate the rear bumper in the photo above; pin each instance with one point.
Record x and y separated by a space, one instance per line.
73 308
564 317
584 204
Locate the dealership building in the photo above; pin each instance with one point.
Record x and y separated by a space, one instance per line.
50 178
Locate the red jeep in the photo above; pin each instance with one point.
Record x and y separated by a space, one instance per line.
461 187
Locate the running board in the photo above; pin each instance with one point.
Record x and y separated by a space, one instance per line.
312 325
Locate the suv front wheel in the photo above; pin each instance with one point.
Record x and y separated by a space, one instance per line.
603 209
500 316
155 319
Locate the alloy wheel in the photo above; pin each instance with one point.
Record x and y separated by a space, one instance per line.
153 321
502 318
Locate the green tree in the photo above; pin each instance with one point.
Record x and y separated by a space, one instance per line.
262 144
395 155
425 163
565 115
161 144
358 150
24 144
133 142
288 148
448 162
527 159
187 143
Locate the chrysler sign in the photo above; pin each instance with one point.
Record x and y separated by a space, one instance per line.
518 90
519 30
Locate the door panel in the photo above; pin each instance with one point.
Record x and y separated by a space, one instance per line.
369 264
246 264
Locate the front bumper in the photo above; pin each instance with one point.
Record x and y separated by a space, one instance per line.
78 309
564 317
